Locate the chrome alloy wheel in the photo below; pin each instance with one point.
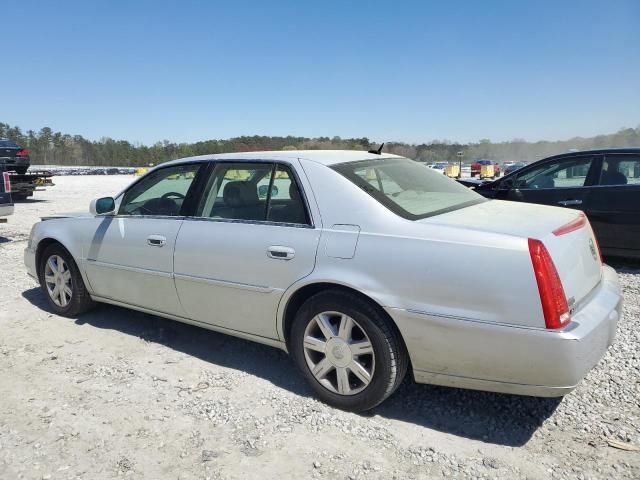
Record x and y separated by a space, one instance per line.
339 353
57 278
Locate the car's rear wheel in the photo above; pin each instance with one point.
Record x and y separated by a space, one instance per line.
62 283
348 351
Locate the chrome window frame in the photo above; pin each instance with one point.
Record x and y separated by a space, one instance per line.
215 162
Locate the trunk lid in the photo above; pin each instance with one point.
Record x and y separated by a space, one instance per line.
8 152
574 252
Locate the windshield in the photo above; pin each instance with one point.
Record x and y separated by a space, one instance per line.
407 188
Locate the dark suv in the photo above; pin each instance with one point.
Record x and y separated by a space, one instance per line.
604 184
13 157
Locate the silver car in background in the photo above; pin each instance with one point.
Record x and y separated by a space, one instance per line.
362 266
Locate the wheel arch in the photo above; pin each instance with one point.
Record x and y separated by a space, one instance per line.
44 243
302 294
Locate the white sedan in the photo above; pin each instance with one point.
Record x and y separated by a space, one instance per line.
361 265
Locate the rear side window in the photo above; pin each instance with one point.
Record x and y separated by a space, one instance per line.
253 192
620 170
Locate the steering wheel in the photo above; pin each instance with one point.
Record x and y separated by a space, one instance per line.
173 194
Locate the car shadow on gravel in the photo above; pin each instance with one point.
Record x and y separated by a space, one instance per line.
496 418
269 363
29 200
508 420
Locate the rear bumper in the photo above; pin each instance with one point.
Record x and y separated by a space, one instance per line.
15 161
511 359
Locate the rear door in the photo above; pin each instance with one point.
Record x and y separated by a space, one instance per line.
251 238
560 182
615 205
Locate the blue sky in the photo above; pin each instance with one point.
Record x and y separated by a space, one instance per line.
411 71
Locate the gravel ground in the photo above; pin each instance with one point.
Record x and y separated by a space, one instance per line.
117 393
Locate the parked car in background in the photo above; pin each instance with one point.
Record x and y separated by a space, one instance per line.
604 184
438 166
512 167
13 157
6 203
353 262
476 167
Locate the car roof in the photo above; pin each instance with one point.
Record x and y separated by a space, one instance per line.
599 151
324 157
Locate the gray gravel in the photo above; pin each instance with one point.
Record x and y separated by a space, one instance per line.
120 394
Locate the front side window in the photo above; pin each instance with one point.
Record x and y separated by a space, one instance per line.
253 192
620 170
565 173
407 188
161 192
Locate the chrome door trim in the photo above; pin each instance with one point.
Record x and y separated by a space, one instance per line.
126 268
251 222
223 283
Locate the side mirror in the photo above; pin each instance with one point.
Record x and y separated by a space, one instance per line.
506 184
103 206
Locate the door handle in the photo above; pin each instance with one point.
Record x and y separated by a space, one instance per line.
156 240
566 203
281 253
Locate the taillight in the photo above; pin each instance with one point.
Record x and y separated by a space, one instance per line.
572 226
552 296
22 153
7 182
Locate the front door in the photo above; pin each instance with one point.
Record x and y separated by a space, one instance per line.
252 238
130 255
564 182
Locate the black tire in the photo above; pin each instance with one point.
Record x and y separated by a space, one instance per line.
22 170
80 300
391 358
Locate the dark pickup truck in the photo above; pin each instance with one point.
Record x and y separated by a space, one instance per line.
6 204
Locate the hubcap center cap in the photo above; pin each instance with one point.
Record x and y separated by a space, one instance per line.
338 352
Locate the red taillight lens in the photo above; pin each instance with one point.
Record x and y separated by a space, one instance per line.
572 226
7 182
552 296
22 153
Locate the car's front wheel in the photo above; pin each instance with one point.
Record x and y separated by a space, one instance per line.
348 351
62 283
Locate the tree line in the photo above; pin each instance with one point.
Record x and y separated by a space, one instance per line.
47 147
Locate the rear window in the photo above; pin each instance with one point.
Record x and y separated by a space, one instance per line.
408 188
8 144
